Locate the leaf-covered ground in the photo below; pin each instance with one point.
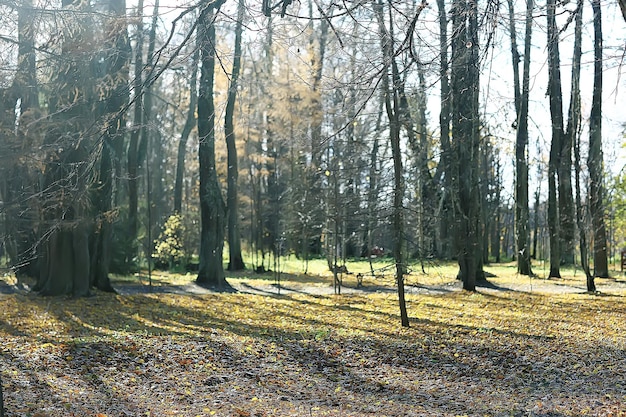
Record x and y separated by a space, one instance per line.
507 350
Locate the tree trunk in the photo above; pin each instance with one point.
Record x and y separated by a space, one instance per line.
445 167
1 399
18 179
572 131
132 161
522 216
595 159
190 123
556 113
232 198
67 209
212 207
465 124
117 50
394 114
497 221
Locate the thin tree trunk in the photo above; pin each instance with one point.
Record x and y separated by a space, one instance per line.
536 222
556 113
1 399
497 226
392 105
595 159
395 115
190 123
521 164
232 198
573 131
445 167
132 159
372 192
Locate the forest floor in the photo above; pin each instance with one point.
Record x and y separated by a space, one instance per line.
518 347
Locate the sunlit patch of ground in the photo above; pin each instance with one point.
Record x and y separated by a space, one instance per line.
513 348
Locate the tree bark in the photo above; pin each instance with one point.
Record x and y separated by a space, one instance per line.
132 161
190 123
572 130
67 208
232 197
445 167
212 207
522 216
595 159
465 131
18 178
556 113
114 83
394 114
1 399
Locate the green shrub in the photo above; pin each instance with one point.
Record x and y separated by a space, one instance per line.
169 247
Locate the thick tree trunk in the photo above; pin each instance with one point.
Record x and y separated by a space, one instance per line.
212 207
232 197
465 124
115 66
595 160
67 208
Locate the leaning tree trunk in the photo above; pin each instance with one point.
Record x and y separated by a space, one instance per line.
212 207
595 159
232 197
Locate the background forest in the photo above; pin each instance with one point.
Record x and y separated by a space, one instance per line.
135 134
371 141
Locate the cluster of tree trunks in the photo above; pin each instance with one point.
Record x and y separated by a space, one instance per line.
66 241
